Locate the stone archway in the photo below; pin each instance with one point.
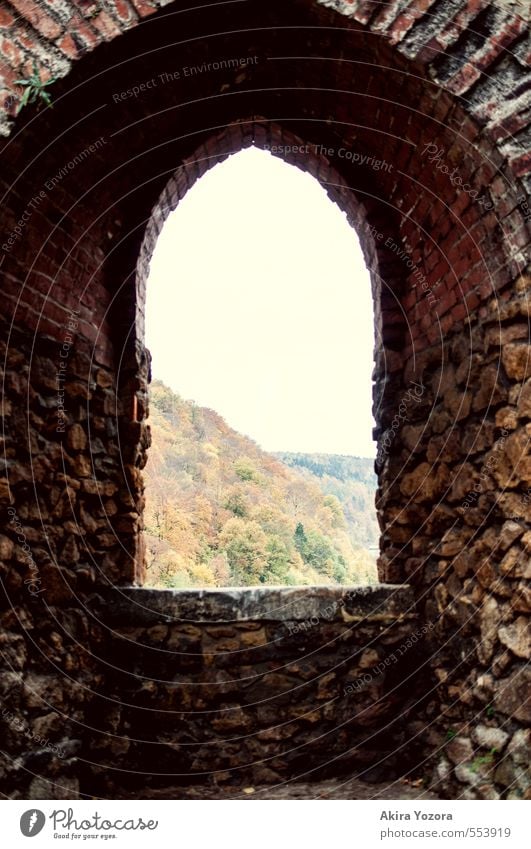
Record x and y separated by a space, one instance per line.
447 228
390 325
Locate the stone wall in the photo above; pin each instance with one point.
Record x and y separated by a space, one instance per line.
453 458
461 507
209 689
436 91
63 501
253 687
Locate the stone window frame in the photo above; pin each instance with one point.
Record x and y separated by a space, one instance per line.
364 214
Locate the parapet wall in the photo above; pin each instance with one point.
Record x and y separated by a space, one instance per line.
254 685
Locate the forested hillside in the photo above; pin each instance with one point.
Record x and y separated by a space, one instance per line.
352 480
222 512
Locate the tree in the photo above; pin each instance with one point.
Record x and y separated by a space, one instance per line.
202 575
300 539
278 560
235 501
320 553
245 544
221 569
245 470
297 496
334 510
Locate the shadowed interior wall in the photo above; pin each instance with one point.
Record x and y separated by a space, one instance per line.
437 94
236 688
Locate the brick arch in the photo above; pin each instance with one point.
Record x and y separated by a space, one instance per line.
460 45
359 207
387 273
440 93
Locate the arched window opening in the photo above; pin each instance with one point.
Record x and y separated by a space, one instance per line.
259 319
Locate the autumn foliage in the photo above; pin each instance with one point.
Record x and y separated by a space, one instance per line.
222 512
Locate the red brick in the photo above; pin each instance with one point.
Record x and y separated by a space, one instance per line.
484 175
459 312
442 227
433 334
483 231
84 32
464 79
486 289
405 20
499 42
469 128
447 322
461 21
144 7
472 300
6 18
499 187
38 18
423 207
509 125
8 75
428 52
431 258
30 40
475 277
423 306
499 276
443 106
462 265
13 54
471 216
364 10
8 101
462 202
386 15
104 24
445 303
68 46
124 11
440 272
521 165
409 300
514 222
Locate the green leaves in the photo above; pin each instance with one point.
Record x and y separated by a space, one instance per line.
35 89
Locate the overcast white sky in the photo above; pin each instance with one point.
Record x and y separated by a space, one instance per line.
259 306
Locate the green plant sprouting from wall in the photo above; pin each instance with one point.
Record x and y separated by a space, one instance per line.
35 89
483 760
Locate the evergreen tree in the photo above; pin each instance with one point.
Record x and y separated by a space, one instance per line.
300 540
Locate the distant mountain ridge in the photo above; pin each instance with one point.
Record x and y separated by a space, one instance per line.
341 466
352 480
220 511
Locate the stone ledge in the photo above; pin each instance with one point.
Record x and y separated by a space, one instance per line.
143 606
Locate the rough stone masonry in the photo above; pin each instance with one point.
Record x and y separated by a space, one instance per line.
381 81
